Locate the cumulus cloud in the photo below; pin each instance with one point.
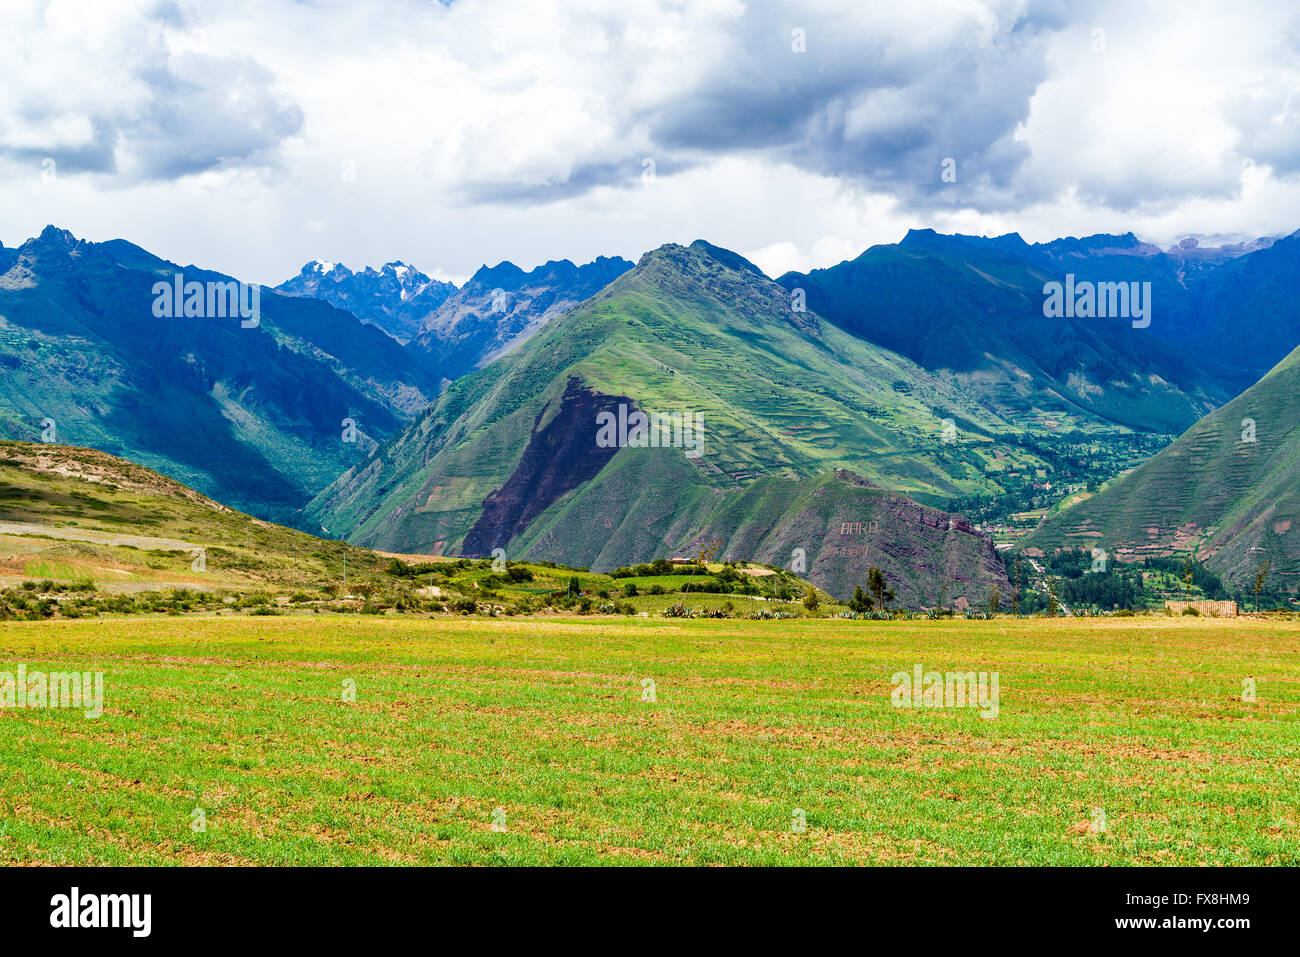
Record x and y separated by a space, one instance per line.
105 89
879 95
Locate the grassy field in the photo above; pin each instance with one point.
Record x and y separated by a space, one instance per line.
475 741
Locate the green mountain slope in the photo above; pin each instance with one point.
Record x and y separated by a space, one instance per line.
252 416
971 309
508 456
1214 493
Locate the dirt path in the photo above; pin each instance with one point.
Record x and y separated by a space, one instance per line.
99 538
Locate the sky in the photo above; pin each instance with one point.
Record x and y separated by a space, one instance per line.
252 136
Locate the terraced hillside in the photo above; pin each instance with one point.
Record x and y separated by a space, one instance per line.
509 457
1227 491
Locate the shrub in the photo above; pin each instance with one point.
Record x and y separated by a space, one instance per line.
517 573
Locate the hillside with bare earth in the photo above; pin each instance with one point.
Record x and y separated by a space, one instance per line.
83 534
81 515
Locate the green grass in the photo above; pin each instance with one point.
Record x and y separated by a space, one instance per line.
544 719
40 569
135 522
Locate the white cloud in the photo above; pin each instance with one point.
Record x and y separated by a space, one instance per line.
99 90
255 137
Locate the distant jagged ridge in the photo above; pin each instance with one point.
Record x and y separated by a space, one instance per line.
501 307
253 416
396 297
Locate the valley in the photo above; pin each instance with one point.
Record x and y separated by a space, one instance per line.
918 388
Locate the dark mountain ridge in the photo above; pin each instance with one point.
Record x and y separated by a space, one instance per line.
252 414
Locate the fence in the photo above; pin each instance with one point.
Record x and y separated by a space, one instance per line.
1212 609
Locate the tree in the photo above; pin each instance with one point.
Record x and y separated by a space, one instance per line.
1259 579
878 588
811 601
995 599
574 589
860 602
708 551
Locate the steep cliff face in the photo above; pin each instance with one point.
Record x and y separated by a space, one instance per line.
560 456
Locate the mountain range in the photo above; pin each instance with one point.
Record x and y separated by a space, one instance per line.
804 427
396 297
501 307
253 416
972 308
450 330
820 420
